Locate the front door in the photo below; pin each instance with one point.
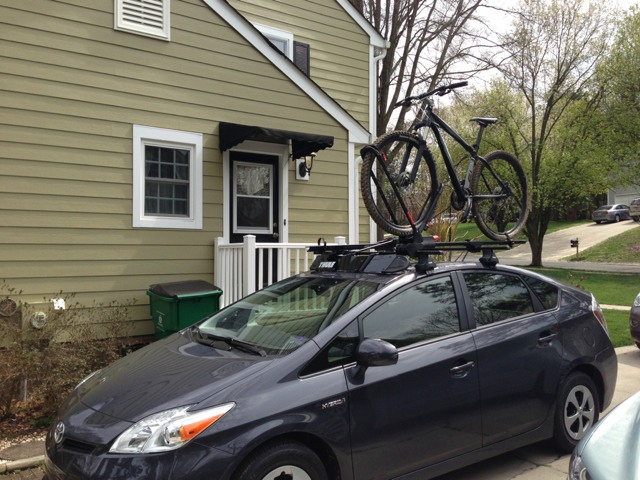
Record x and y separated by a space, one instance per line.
254 196
254 203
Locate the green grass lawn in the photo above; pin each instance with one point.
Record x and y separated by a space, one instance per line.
623 248
618 324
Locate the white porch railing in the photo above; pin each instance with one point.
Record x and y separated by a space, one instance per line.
243 268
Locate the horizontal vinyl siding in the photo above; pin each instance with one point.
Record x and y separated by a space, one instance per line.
339 48
70 90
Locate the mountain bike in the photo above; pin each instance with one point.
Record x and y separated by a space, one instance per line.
400 186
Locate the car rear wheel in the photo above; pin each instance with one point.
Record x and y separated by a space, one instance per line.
577 410
282 461
617 219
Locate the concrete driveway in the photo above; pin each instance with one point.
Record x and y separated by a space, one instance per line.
541 461
557 245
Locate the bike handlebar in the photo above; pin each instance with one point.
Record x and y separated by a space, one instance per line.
443 90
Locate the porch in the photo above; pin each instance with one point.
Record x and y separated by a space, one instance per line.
243 268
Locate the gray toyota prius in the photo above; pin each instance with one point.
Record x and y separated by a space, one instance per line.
378 363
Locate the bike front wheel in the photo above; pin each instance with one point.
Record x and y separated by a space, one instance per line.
500 196
399 193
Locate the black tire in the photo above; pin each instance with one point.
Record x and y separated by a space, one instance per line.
500 219
286 460
616 218
577 410
598 221
636 218
386 189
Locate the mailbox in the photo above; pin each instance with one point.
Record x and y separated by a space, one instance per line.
574 243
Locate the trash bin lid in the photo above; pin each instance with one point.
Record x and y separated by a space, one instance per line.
186 287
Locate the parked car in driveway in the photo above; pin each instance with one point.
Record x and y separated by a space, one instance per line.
611 213
634 209
371 366
634 320
611 449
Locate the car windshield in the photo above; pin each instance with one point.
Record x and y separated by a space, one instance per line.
287 314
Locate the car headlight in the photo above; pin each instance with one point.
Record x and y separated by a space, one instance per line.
577 468
167 430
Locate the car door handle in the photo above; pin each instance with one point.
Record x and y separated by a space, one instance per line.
461 370
546 338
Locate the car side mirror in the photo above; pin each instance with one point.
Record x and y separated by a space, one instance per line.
374 352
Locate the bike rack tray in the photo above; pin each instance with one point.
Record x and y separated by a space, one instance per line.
383 257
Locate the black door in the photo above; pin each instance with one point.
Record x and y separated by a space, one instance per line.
517 347
426 408
254 203
254 196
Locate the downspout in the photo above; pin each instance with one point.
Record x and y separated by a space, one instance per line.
373 122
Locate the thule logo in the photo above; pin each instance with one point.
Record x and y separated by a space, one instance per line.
327 264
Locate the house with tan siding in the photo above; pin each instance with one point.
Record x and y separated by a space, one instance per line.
135 133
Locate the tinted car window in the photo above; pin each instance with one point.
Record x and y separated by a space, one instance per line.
339 352
496 297
546 293
420 313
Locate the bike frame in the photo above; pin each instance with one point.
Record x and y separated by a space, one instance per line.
434 123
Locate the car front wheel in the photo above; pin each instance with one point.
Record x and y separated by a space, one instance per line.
577 409
282 460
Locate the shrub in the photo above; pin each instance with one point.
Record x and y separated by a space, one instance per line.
41 365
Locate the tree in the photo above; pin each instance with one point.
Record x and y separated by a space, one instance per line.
430 42
619 79
552 52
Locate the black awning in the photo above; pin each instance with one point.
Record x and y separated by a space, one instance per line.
231 134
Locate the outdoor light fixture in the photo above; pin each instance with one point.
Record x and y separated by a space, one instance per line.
304 166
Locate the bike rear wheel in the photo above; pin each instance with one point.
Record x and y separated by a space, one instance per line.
500 196
399 202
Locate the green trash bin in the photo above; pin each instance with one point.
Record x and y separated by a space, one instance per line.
177 305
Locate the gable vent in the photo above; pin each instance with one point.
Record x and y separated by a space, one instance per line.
146 17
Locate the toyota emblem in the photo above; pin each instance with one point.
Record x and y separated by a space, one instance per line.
58 433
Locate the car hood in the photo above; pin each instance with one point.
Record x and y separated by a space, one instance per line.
612 450
169 373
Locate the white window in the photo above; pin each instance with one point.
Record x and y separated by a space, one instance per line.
144 17
167 178
282 39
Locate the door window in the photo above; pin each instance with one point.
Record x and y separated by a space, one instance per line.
496 297
253 198
420 313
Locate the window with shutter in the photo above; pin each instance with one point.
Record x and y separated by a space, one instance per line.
301 57
144 17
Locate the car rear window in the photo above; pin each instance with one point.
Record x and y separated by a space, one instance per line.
546 293
635 202
497 297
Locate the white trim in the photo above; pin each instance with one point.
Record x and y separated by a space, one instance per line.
271 32
282 151
255 38
142 136
375 38
145 26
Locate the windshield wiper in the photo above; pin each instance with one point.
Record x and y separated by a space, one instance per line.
230 341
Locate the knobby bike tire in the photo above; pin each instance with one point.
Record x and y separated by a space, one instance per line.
387 191
500 219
